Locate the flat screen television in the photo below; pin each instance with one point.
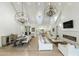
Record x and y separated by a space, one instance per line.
68 24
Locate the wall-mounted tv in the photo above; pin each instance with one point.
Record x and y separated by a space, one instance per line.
68 24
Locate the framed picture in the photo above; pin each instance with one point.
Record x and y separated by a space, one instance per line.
33 29
53 29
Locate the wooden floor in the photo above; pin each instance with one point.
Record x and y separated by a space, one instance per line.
30 50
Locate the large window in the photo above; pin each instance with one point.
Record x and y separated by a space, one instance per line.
39 18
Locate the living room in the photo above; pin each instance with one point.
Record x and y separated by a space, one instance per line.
39 28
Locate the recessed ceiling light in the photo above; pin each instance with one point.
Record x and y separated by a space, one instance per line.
28 3
59 4
69 3
49 3
39 3
18 3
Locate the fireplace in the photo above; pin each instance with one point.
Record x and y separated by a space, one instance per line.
70 37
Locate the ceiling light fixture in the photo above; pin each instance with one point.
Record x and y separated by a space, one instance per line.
39 3
20 16
50 12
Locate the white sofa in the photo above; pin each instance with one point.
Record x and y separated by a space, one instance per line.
68 50
44 45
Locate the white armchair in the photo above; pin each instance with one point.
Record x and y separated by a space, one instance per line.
68 50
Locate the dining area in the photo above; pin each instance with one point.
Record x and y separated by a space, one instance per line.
21 41
15 40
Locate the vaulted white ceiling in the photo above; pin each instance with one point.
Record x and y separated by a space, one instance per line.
35 11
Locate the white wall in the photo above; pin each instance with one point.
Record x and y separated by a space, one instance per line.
8 24
70 12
